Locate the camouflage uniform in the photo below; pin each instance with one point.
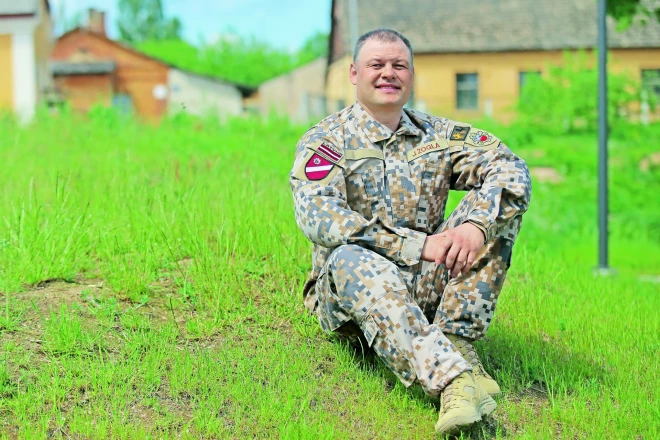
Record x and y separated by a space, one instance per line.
367 197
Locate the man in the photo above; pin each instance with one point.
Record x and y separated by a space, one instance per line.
370 186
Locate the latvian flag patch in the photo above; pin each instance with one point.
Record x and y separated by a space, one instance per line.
318 168
329 152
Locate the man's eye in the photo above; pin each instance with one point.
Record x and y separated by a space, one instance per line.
377 65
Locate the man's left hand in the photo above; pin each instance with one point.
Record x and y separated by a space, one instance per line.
459 248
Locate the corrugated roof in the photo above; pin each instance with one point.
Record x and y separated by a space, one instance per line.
493 25
82 68
21 7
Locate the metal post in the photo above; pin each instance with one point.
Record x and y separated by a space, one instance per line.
602 138
353 22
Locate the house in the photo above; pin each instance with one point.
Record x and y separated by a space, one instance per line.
25 42
300 94
472 57
90 68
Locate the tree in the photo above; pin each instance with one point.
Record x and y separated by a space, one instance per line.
624 11
142 20
316 46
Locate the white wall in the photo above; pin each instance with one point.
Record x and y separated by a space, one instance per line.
24 68
202 96
25 75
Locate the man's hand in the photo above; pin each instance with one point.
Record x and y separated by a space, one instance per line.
455 248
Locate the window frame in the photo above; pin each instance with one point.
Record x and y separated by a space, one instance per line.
466 86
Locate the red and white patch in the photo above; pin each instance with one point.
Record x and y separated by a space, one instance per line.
318 168
329 152
481 137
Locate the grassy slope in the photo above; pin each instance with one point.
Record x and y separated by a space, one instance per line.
182 313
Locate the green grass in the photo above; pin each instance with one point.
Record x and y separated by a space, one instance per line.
150 287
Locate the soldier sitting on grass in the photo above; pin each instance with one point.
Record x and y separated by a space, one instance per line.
370 185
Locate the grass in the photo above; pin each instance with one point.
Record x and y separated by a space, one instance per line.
150 286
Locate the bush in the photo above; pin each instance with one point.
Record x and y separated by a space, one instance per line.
566 99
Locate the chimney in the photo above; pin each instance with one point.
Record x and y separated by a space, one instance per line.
96 21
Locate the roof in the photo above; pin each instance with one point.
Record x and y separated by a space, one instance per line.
82 68
245 90
20 8
449 26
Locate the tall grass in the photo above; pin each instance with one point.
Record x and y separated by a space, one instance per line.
184 319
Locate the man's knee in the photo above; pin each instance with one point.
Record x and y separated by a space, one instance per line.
352 281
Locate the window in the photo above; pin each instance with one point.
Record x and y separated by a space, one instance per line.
525 75
467 91
651 82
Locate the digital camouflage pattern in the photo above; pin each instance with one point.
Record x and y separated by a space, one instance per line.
367 197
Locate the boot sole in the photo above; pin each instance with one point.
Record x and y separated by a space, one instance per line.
457 424
487 406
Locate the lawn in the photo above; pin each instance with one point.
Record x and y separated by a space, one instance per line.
150 287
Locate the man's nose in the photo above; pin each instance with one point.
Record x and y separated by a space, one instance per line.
388 71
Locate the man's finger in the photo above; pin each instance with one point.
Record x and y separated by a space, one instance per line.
451 256
441 254
460 262
470 261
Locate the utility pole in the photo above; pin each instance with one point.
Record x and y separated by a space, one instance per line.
353 22
603 209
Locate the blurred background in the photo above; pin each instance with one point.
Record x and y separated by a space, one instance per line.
473 59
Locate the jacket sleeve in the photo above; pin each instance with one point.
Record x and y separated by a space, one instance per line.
324 216
501 179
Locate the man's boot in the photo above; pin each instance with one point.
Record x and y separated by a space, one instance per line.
463 402
465 347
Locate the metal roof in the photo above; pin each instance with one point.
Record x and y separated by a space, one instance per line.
450 26
20 7
82 68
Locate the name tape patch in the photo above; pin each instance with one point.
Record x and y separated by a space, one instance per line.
438 144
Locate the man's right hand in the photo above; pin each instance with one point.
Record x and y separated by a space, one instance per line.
455 248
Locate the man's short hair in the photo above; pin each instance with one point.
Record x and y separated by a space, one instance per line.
384 35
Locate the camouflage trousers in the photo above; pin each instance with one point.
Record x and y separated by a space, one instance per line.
403 313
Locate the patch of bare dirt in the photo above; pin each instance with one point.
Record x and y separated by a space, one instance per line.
649 162
546 174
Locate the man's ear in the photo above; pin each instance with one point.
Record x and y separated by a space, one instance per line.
352 74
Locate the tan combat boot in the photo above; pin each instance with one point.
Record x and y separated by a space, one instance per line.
463 402
469 354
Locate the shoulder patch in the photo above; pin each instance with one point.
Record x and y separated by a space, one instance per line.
481 138
327 151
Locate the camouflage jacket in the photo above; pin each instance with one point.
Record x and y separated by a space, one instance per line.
354 181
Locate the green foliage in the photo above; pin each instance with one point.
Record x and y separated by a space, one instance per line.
625 11
200 214
141 20
244 60
566 99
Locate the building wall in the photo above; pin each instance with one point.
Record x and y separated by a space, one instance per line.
498 73
6 74
85 91
202 96
136 76
21 67
299 94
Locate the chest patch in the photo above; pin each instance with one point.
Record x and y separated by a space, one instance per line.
459 133
421 150
482 139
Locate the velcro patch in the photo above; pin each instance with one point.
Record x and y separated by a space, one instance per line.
421 150
481 138
459 133
318 168
328 151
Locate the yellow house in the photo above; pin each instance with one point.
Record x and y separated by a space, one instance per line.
25 45
472 57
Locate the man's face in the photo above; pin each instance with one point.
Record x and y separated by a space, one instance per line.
383 75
